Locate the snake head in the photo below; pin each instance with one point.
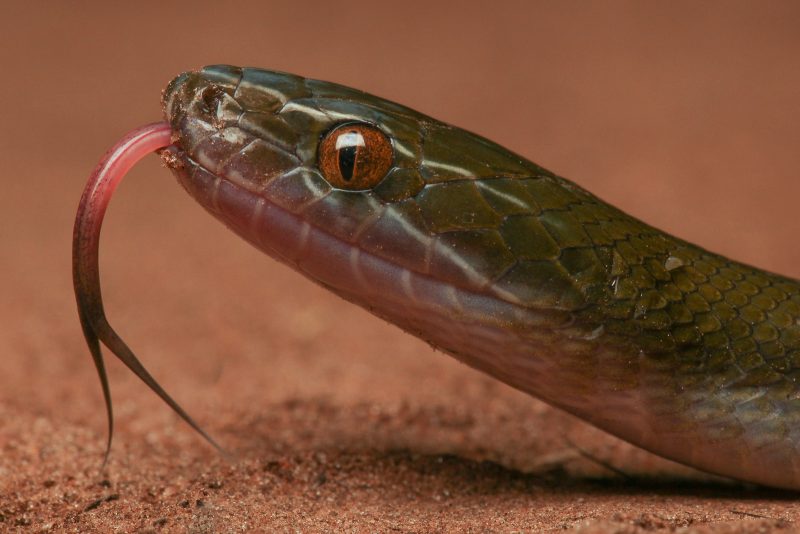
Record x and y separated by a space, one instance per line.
289 162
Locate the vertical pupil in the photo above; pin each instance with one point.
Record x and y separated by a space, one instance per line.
347 161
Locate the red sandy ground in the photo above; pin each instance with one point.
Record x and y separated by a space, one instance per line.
685 114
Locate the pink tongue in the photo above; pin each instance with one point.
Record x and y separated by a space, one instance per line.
85 271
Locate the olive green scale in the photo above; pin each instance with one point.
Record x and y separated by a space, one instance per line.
712 316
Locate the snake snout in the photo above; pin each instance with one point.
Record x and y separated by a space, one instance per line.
169 96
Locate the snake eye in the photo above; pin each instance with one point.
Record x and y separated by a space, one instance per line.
355 156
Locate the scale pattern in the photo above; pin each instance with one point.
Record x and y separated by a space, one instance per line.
706 350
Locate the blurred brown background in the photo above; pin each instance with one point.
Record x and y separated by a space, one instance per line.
684 113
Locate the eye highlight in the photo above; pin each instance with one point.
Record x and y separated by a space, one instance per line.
355 156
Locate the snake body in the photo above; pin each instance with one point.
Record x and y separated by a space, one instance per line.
506 266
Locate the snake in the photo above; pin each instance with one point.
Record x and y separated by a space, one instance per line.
483 254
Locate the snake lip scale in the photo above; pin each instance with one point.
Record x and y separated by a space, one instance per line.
485 255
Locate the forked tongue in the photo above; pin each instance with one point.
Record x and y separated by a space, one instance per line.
85 266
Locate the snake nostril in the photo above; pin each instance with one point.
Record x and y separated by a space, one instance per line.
211 96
